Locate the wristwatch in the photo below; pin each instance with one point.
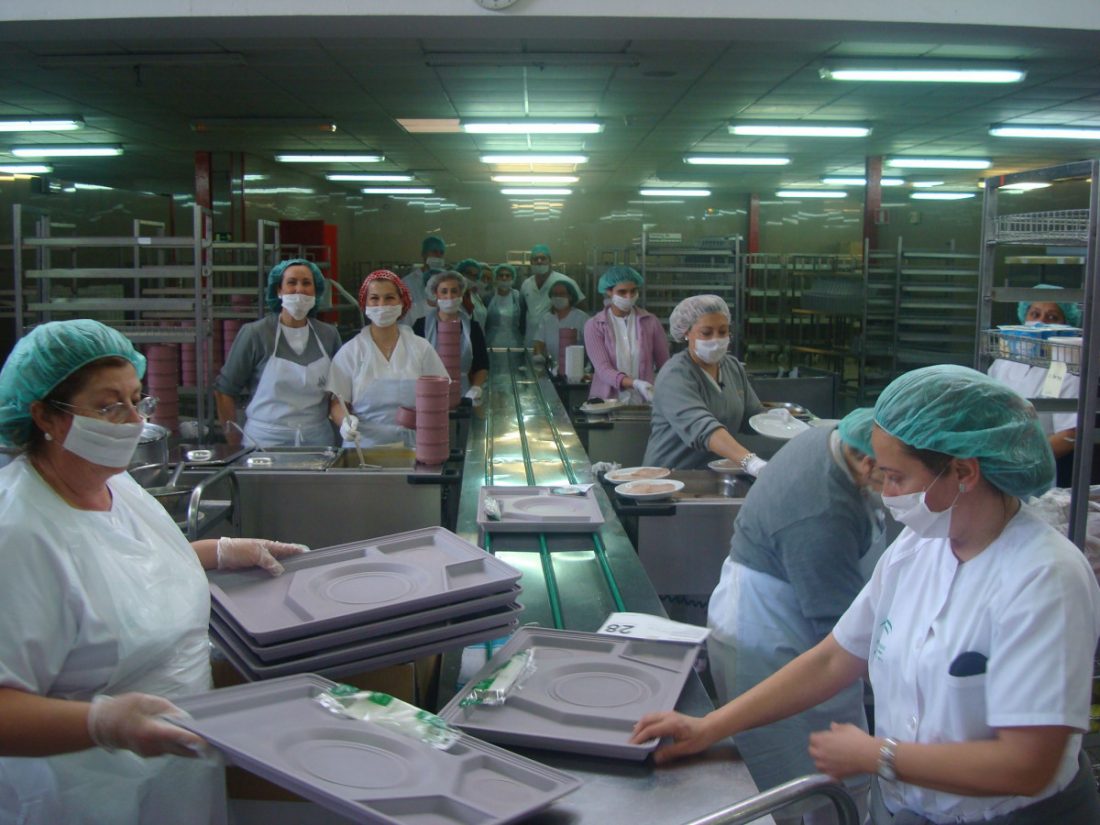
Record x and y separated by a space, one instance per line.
887 755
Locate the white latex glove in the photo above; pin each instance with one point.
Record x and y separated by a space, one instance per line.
644 388
755 465
604 467
474 394
349 428
132 721
236 553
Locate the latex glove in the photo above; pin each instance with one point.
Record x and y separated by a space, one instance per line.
474 394
349 428
538 360
755 465
132 721
645 389
604 467
236 553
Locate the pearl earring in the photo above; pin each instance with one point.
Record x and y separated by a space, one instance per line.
962 488
48 437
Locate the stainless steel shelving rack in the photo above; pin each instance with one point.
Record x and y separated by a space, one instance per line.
937 300
767 301
877 360
1077 227
123 295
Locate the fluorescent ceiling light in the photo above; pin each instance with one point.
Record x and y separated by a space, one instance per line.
927 184
535 178
546 160
246 124
26 169
93 187
430 125
531 127
658 203
536 191
924 75
397 190
939 163
1054 132
861 181
811 193
315 157
1024 186
735 160
368 177
675 193
13 124
941 196
63 150
280 190
800 129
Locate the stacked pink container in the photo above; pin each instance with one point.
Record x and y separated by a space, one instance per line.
433 427
566 338
448 343
162 378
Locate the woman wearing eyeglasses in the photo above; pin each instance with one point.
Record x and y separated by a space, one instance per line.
105 603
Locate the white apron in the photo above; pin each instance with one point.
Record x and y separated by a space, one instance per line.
289 407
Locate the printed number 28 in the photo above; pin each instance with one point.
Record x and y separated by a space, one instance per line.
619 628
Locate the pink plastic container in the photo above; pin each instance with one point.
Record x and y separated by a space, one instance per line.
406 417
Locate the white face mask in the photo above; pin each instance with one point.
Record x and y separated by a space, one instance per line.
435 263
623 302
540 269
911 509
559 303
504 287
449 304
101 442
383 316
298 304
712 351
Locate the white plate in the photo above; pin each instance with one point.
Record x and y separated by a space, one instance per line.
773 427
726 467
629 474
635 489
823 422
601 406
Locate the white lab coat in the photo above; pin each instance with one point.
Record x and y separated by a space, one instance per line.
1029 603
101 602
1028 381
538 300
374 388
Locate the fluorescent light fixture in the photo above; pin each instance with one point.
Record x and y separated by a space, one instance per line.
735 160
811 193
1051 132
928 74
658 203
941 196
531 127
93 187
545 160
26 169
336 157
536 191
800 129
535 179
675 193
861 181
280 190
254 177
430 125
367 177
246 124
397 190
13 124
927 184
939 163
1024 186
66 150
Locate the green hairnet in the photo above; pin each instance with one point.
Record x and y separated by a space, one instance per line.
571 288
432 243
445 275
467 262
616 275
275 280
855 429
964 414
690 310
1071 312
44 358
540 249
510 269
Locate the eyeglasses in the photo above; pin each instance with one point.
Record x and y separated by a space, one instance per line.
119 412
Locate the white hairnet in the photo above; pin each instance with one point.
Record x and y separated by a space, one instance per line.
690 310
445 275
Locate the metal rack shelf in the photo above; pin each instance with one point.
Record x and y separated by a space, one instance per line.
1053 227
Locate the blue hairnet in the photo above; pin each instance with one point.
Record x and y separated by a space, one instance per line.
540 249
465 262
690 310
1071 311
275 280
432 243
445 275
855 429
44 358
964 414
616 275
511 270
570 286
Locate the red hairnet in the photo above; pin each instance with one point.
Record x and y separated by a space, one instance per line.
386 275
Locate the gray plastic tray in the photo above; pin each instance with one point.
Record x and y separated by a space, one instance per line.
256 673
352 584
281 651
364 772
537 510
585 694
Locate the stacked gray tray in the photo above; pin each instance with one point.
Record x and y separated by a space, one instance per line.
362 771
361 606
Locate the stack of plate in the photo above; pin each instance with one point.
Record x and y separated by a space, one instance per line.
358 607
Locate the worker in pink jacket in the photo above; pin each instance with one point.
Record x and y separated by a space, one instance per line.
625 344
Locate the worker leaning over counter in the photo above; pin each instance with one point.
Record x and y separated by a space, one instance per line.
433 250
535 291
794 567
375 372
702 395
471 297
282 361
626 344
506 320
105 604
977 628
563 314
446 290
